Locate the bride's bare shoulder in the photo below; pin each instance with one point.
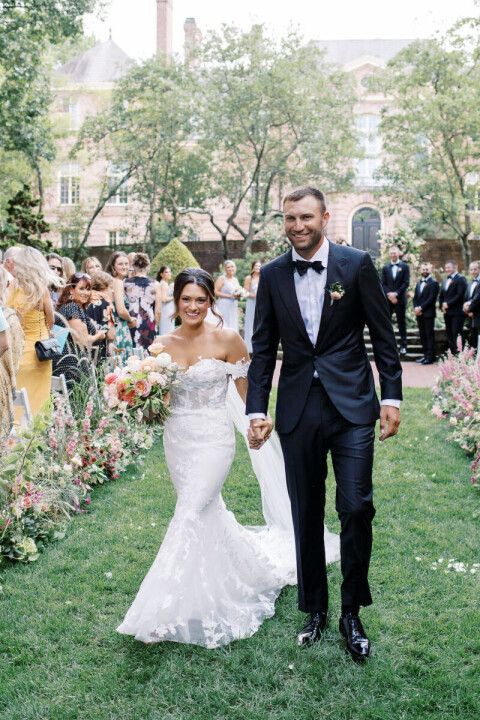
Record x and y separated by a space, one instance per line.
169 340
232 343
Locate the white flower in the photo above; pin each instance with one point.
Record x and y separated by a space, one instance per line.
67 468
418 559
109 575
162 361
77 460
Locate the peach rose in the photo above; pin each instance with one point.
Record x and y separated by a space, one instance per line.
142 388
156 348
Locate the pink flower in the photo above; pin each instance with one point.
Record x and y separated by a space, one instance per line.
142 388
87 501
111 378
26 502
29 487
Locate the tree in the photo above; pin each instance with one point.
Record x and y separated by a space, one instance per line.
176 255
272 113
431 132
24 226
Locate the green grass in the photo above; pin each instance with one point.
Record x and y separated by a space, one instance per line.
61 658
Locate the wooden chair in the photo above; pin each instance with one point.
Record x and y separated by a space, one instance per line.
58 389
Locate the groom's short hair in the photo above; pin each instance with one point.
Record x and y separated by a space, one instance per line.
304 190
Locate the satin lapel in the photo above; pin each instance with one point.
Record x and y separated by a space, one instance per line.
335 273
286 290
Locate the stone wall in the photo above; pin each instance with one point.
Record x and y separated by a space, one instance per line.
438 251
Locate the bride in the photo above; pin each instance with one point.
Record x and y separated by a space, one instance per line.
213 580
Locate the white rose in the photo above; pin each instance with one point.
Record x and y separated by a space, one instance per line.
162 361
67 468
112 401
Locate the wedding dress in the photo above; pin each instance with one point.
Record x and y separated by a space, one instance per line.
213 580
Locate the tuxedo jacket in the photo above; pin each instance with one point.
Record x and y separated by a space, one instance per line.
339 355
475 307
454 296
428 298
467 291
399 284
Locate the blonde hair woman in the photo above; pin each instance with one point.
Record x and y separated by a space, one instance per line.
30 298
226 287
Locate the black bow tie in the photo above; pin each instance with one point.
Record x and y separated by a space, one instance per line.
394 264
301 266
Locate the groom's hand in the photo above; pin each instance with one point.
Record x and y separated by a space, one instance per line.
389 421
259 432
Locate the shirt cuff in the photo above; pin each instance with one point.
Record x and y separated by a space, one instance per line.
392 403
256 416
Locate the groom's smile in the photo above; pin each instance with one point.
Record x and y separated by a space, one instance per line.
305 224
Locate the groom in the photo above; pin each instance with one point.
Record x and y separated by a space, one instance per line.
316 299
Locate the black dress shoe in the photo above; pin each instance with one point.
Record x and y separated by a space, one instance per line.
358 644
403 351
313 629
428 362
420 360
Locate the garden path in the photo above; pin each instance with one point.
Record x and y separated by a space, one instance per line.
414 375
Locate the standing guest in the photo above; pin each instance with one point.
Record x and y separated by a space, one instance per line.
452 295
69 268
91 265
117 267
424 304
472 309
10 354
167 323
131 258
100 309
30 298
55 264
145 302
9 261
226 288
472 332
395 281
251 285
72 304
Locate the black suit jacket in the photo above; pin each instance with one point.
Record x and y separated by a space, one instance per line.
339 355
454 296
475 307
467 291
399 284
428 298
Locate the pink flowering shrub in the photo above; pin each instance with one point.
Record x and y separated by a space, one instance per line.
456 397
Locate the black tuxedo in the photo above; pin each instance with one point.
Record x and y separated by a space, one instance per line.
336 411
472 329
454 315
426 300
475 309
398 284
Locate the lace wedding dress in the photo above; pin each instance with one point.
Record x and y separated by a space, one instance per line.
213 580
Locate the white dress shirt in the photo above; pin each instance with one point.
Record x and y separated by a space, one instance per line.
473 287
310 291
394 269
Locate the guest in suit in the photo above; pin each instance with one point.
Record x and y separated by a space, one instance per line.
395 281
451 301
424 302
472 332
472 309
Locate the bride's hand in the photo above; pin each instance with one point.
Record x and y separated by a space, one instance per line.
259 432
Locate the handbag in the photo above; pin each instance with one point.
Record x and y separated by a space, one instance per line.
46 349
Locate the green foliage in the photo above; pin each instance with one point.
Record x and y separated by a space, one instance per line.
176 255
24 226
431 132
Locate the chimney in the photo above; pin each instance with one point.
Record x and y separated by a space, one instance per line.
164 27
193 38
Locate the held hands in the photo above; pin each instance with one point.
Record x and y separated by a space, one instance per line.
418 311
389 421
392 296
259 432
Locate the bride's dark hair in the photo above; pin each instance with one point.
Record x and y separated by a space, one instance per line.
195 276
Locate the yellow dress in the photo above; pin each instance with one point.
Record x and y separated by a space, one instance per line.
34 376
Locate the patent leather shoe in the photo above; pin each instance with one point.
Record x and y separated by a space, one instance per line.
420 360
313 629
358 644
403 351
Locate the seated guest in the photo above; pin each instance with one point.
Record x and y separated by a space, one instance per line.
100 309
12 340
91 265
72 304
55 264
30 298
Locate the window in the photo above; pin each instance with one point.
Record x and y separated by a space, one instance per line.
70 184
195 237
115 173
367 127
117 237
69 238
70 106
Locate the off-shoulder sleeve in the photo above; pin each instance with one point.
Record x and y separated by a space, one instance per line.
239 369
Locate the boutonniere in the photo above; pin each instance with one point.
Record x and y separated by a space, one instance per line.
336 292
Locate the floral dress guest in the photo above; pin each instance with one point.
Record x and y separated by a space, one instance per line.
118 268
251 285
145 303
167 324
226 287
30 299
100 309
9 357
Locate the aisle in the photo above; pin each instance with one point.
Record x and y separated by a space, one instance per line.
62 660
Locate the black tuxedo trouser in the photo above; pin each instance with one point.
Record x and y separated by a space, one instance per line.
472 334
454 327
320 429
399 311
427 336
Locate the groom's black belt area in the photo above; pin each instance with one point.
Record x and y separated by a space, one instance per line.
316 382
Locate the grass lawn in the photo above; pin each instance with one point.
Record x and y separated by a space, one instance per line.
61 658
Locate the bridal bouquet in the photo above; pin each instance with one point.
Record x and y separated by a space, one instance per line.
142 387
240 294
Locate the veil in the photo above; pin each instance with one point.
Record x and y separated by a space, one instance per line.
269 468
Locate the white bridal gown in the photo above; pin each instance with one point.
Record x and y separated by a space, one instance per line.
213 580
